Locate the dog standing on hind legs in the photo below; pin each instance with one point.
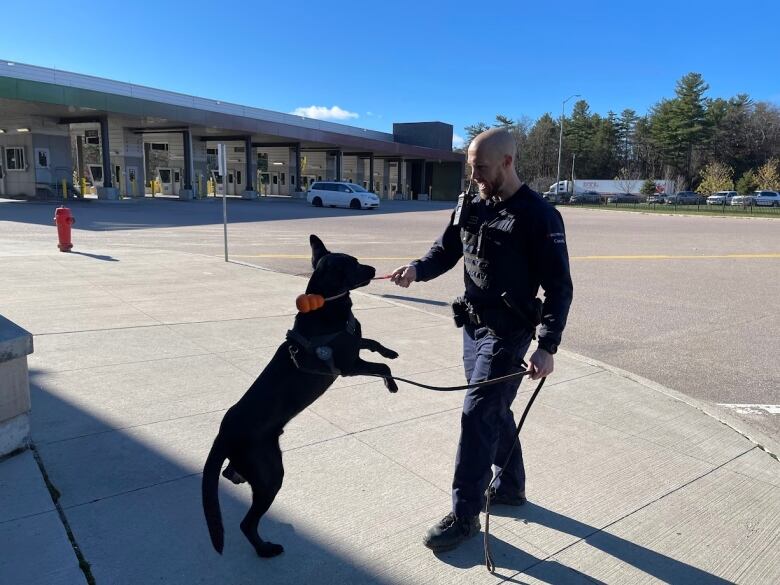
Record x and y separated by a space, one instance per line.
322 345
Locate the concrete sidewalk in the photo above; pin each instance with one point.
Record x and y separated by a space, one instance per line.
138 354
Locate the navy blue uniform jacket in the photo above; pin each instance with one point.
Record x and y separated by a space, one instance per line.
515 245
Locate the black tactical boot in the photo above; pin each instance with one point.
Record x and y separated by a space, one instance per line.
499 499
450 532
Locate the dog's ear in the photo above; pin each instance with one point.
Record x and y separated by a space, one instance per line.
318 250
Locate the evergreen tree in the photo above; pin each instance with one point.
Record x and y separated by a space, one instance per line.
648 187
680 125
472 132
747 183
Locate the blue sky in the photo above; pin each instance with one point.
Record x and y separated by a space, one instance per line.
406 61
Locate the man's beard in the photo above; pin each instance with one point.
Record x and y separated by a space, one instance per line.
488 192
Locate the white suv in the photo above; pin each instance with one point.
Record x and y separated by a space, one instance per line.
767 198
721 198
341 194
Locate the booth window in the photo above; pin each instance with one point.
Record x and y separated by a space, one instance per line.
14 158
159 146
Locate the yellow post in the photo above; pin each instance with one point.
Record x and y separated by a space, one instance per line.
83 187
64 189
151 184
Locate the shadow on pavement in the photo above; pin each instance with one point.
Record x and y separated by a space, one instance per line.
95 256
130 214
414 300
136 513
660 566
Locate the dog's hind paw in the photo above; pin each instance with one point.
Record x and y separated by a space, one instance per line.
269 549
391 385
232 475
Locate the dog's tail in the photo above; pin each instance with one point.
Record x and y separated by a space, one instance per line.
210 493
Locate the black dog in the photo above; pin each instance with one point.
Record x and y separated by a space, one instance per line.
322 345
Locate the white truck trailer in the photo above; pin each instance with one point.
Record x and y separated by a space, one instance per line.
607 187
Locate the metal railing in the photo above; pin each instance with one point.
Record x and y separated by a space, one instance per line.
750 208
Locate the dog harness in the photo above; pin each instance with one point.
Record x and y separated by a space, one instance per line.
309 354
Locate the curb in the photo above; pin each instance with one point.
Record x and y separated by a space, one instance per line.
761 440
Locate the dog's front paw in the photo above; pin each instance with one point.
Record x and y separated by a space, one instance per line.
391 385
390 354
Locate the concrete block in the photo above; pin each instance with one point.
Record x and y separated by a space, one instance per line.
14 341
14 388
14 433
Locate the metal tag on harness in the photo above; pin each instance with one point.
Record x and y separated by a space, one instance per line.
324 352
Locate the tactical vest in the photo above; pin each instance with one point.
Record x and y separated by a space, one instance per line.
486 245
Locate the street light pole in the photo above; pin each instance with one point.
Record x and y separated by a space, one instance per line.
560 144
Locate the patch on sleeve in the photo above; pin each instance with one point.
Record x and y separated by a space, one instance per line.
557 237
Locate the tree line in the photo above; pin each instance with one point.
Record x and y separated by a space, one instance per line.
701 143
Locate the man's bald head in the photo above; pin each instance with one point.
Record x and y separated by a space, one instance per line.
491 157
494 144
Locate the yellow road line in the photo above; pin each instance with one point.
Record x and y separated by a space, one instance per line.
621 257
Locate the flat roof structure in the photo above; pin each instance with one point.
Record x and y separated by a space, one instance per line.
60 100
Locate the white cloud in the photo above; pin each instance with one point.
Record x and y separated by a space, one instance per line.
324 113
457 141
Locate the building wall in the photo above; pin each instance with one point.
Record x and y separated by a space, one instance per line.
60 164
446 179
43 134
19 182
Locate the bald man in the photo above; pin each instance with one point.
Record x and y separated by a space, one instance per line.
512 242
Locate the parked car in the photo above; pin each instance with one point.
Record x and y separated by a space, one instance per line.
744 200
767 198
586 197
721 198
684 198
623 198
341 194
656 198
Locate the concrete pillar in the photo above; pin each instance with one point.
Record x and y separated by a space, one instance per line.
371 173
339 164
107 191
297 152
200 167
80 156
134 161
187 192
386 178
15 345
422 189
249 190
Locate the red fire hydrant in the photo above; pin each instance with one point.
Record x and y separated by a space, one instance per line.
63 220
